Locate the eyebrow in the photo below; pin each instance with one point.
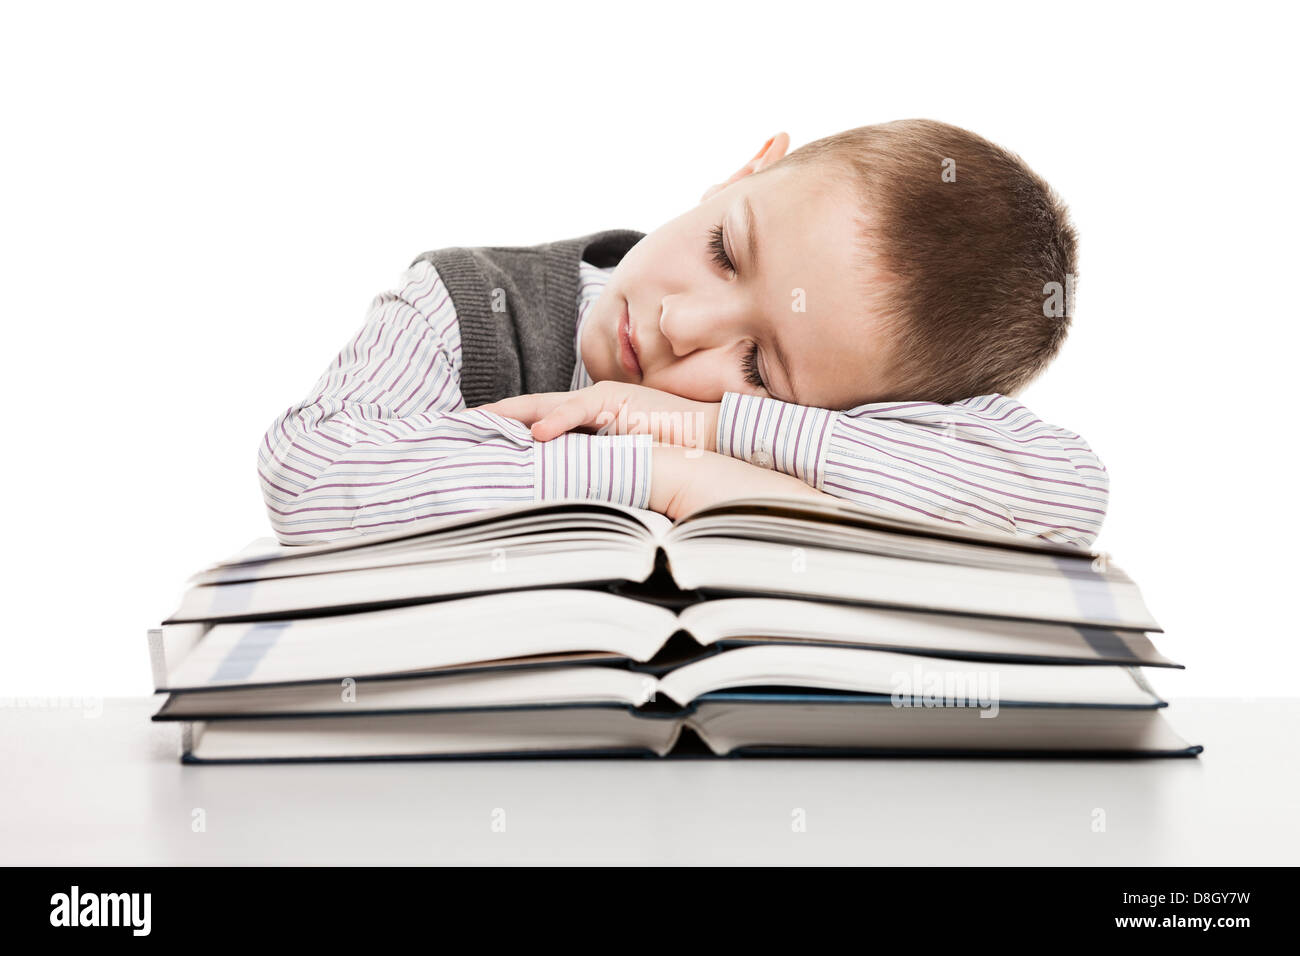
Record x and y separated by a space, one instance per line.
751 235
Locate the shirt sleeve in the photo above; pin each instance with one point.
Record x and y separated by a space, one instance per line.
986 462
384 437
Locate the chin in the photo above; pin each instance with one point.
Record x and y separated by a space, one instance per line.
601 361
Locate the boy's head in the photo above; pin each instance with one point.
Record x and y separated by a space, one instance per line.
900 261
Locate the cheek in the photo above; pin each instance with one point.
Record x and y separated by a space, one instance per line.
639 264
668 256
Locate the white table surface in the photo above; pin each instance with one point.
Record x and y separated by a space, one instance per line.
81 789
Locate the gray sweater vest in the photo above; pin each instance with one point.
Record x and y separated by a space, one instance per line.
517 308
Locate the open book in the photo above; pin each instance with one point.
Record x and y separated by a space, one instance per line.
770 547
565 626
981 683
727 725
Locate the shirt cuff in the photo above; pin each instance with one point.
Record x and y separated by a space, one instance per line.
614 468
791 439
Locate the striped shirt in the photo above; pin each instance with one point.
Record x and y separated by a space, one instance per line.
384 438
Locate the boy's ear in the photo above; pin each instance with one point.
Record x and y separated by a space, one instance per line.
770 152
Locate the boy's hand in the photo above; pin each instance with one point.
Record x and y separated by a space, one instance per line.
684 481
618 409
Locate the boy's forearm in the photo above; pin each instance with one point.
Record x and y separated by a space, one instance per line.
684 480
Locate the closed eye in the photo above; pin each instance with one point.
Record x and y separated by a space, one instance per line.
750 367
718 249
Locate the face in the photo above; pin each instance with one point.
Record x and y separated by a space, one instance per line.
757 290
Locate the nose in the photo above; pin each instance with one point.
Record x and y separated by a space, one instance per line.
692 323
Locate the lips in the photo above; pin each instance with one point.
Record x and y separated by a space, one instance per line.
627 346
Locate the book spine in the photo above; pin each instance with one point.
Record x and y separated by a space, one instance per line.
157 657
168 646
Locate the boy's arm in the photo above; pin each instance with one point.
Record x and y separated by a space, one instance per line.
686 480
384 437
985 462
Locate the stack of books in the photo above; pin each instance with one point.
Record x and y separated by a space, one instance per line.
758 627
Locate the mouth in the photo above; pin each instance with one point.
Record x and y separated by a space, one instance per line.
627 345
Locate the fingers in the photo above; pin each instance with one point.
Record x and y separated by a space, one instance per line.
526 408
578 411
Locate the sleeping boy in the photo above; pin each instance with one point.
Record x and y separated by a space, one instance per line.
851 320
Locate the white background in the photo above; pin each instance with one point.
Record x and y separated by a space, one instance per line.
197 204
